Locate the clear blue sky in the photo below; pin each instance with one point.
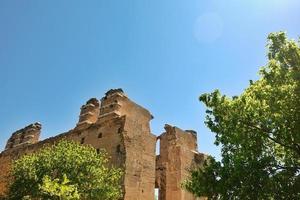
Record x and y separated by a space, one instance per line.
55 55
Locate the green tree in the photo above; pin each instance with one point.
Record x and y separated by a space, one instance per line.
65 171
59 189
258 132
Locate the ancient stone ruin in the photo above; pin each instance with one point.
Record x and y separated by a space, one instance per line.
122 128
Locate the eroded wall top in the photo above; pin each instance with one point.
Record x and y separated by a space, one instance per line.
89 113
25 136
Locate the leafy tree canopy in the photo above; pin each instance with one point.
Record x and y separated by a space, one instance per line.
65 171
258 132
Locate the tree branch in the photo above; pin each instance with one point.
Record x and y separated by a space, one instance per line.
267 132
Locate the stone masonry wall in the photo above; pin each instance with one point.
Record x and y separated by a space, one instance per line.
25 136
178 153
122 128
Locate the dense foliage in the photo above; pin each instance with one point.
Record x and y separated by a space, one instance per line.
65 171
258 132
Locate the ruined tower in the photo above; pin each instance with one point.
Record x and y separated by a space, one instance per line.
178 154
122 128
